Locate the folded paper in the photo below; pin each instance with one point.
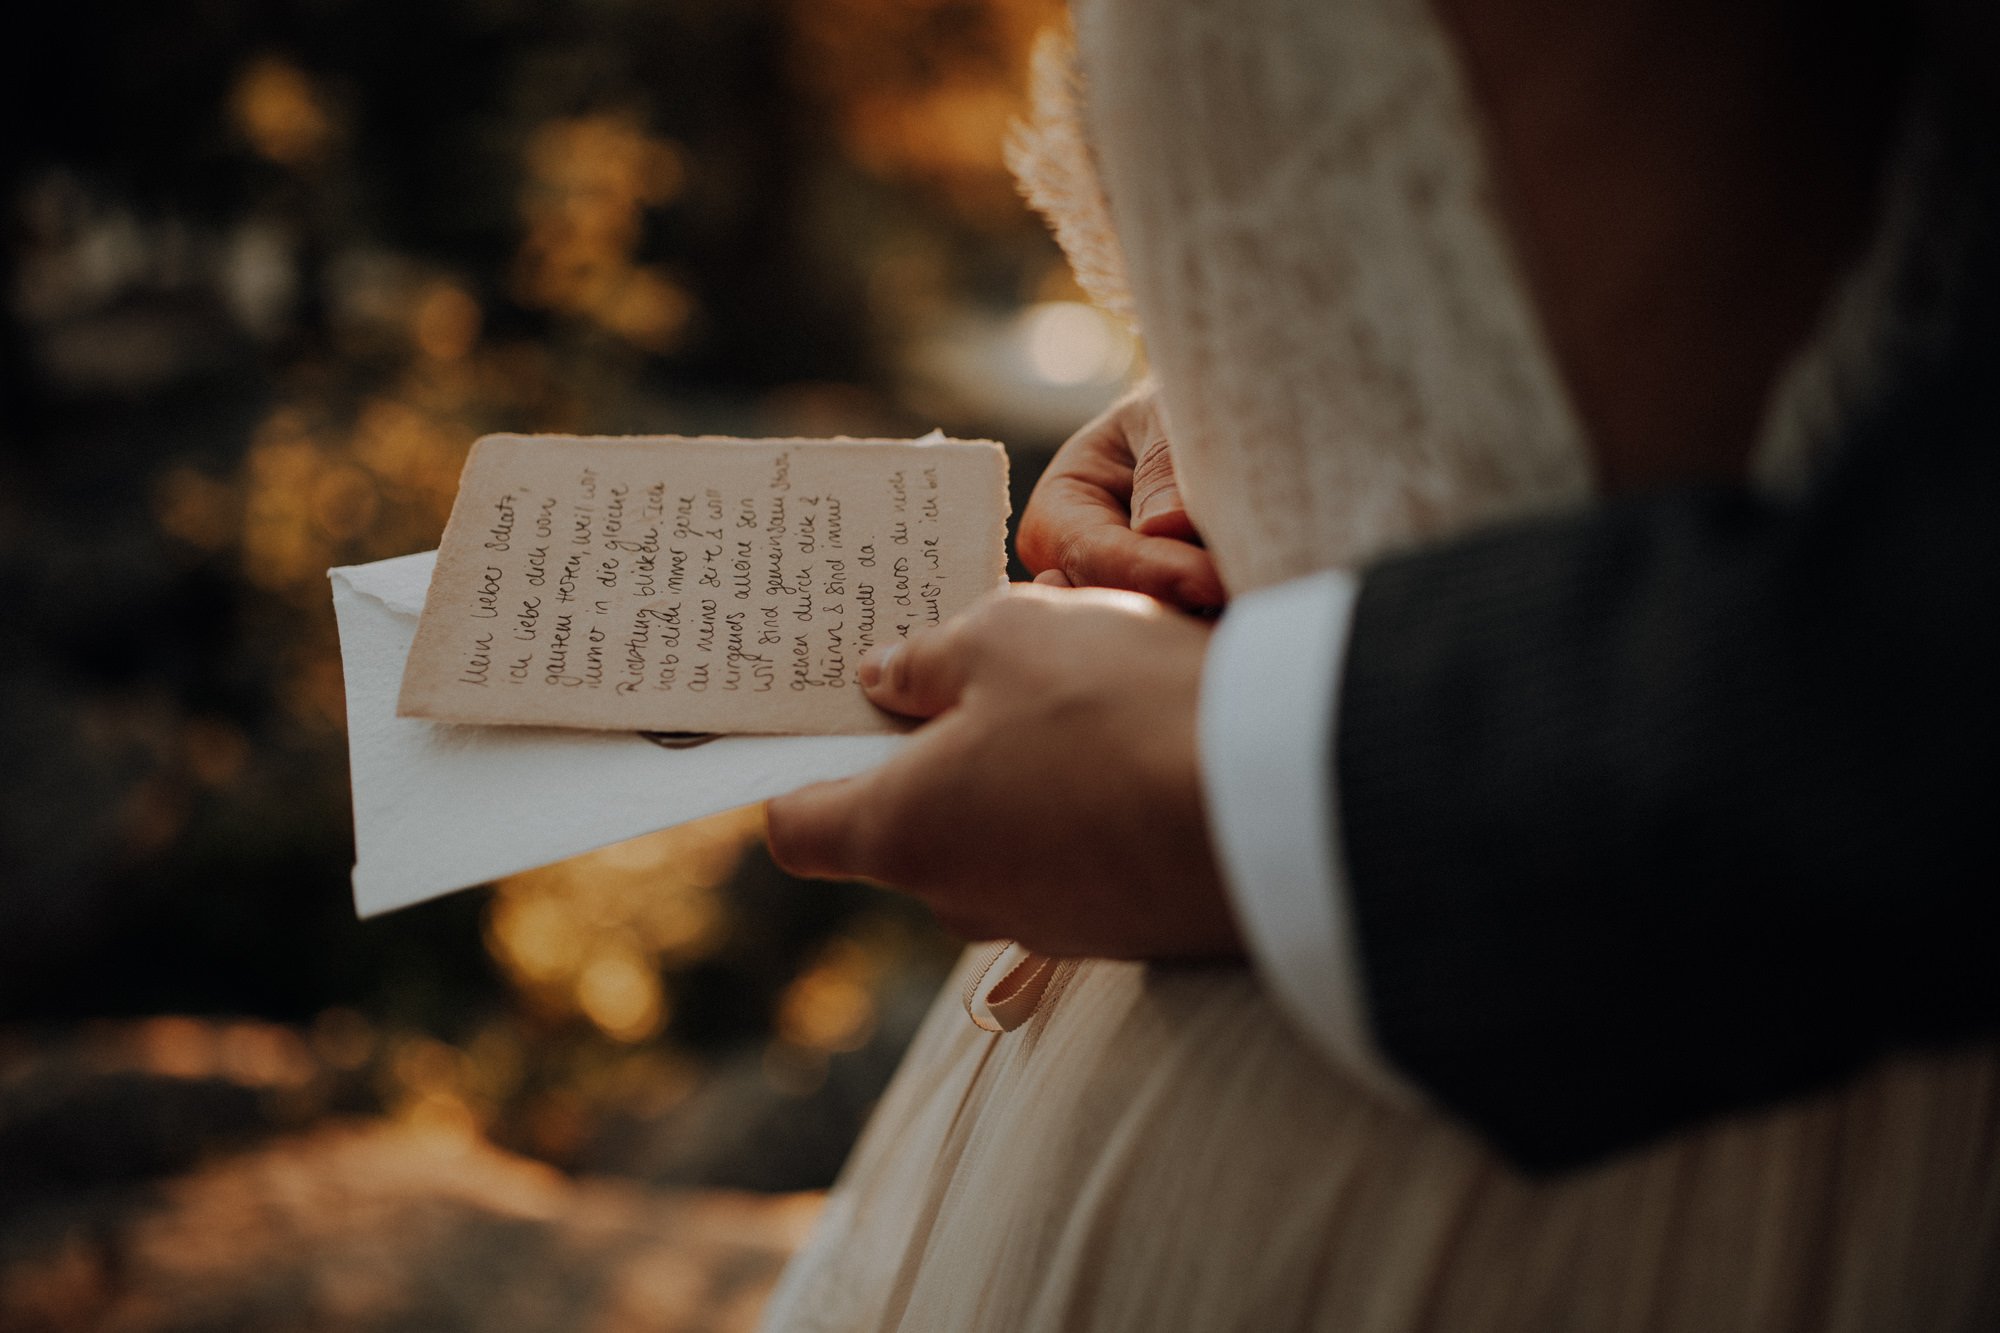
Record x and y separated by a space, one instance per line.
440 806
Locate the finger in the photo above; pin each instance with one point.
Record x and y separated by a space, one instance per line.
811 831
1077 522
1174 571
1087 483
1065 503
920 676
881 825
1157 509
1053 578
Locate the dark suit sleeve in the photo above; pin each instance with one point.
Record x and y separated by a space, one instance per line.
1687 804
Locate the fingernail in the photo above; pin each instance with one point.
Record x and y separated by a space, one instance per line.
875 665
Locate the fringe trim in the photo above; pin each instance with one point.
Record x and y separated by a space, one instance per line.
1056 172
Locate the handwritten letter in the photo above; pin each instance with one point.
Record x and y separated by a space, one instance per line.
714 585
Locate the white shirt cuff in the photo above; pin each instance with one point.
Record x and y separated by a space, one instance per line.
1268 692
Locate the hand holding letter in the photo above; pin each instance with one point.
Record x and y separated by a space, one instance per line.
1053 798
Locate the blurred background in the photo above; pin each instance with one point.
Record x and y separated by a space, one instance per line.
270 268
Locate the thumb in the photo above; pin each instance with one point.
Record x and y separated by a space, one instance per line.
920 676
811 832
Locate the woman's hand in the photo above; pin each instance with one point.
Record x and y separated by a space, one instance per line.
1108 513
1055 797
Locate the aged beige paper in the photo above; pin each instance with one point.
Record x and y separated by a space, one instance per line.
666 584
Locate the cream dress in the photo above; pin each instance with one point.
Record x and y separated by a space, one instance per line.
1350 362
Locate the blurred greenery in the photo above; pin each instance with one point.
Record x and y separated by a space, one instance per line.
271 267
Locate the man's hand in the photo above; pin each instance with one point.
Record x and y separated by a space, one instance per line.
1054 798
1107 514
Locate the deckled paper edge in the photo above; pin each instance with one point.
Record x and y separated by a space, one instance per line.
933 437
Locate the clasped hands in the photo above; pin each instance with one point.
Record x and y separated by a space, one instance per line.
1053 796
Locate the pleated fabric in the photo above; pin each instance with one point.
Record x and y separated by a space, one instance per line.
1155 1150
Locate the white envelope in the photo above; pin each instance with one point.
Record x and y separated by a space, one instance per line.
439 807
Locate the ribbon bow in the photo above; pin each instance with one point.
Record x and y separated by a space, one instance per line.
1015 997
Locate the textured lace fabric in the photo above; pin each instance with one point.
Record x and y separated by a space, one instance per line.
1349 357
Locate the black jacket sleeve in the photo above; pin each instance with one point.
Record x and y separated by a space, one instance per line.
1688 804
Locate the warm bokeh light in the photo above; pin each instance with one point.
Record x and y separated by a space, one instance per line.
926 92
591 936
445 323
264 298
280 112
620 992
831 1005
1068 342
591 182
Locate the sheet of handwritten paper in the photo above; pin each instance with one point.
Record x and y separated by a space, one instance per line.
705 585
